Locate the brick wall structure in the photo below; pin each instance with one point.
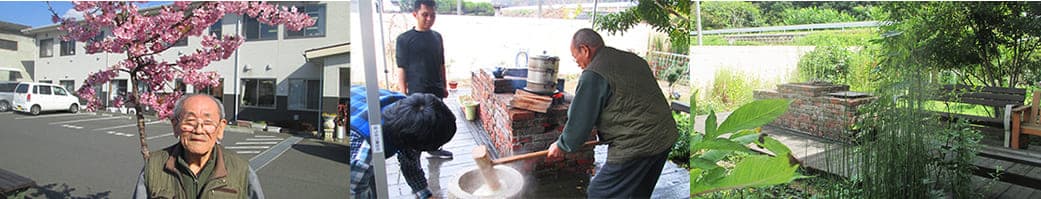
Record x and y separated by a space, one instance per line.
515 131
818 109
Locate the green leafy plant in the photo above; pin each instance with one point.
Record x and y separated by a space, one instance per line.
814 15
740 129
825 63
680 154
732 88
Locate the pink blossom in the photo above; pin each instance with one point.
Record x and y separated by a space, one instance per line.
145 36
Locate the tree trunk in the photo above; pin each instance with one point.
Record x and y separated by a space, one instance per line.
140 118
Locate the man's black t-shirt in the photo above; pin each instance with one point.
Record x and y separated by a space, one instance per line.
421 55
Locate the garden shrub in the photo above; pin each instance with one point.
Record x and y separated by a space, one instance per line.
825 63
814 16
732 88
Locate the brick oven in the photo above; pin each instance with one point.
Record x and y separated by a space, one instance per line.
514 131
818 109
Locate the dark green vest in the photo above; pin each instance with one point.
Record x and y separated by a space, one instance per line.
229 178
636 121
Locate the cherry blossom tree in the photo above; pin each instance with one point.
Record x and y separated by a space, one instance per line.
142 35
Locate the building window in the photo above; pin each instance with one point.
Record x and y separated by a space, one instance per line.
68 84
120 88
8 44
182 41
258 92
217 28
216 91
99 37
256 31
315 11
68 48
304 94
47 48
47 81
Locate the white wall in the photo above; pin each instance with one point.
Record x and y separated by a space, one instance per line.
766 63
473 42
11 61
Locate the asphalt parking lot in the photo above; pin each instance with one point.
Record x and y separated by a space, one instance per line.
98 155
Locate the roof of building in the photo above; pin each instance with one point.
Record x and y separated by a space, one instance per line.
326 51
8 26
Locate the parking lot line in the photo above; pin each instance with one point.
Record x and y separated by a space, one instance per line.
71 126
247 152
46 116
251 143
263 139
264 136
158 136
247 147
258 162
84 120
128 125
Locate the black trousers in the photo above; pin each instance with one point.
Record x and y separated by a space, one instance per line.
631 179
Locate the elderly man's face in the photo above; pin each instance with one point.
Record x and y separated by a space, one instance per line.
582 55
199 125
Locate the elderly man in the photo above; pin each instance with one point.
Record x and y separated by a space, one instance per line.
618 95
197 167
413 124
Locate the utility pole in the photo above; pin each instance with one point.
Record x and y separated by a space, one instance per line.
697 11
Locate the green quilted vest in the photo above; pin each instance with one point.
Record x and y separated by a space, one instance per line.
636 121
227 181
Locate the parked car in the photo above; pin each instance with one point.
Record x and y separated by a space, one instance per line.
33 98
6 95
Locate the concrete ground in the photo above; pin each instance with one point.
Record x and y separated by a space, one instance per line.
90 155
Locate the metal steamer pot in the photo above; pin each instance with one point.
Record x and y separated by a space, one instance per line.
542 74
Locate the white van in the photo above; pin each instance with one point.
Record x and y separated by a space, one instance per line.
33 98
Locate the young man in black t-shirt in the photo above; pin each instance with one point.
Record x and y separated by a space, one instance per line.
421 59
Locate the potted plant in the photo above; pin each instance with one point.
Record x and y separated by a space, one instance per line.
469 107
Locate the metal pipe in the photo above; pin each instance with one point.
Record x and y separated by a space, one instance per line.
371 89
235 91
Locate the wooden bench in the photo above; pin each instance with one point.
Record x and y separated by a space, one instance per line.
1003 102
11 182
1025 121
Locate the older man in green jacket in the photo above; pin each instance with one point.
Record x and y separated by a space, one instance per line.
618 95
197 167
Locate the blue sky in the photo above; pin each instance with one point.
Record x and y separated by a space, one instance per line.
35 13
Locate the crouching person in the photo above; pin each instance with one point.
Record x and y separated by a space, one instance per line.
411 125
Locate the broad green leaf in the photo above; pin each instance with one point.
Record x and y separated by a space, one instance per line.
715 155
745 136
693 178
754 171
713 176
702 163
710 125
695 139
721 144
775 146
755 114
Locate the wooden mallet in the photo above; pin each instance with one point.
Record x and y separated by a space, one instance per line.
485 163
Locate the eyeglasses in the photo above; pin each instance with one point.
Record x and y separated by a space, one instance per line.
201 127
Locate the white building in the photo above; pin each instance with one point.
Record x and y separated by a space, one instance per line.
16 52
276 75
